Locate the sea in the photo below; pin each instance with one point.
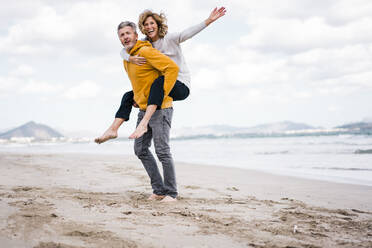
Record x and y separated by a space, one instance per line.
343 158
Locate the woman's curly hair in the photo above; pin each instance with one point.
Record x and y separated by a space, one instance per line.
160 19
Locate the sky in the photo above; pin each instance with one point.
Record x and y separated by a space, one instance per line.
265 61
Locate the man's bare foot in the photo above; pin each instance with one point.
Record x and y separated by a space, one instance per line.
155 197
168 199
140 130
109 134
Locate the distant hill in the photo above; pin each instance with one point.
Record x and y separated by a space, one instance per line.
358 126
215 130
224 130
3 130
280 127
367 119
31 129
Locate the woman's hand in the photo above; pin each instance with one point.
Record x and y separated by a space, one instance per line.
137 60
216 13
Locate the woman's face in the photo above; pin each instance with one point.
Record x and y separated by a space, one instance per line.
151 28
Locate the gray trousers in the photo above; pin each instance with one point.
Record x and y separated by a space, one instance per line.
158 130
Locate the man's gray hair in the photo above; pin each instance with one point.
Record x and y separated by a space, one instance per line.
128 24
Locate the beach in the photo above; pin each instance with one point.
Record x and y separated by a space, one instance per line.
74 200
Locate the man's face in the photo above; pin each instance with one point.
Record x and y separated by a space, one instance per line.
127 37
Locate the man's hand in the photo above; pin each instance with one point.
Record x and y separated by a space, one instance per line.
137 60
216 13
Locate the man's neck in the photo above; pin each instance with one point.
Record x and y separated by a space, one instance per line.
128 49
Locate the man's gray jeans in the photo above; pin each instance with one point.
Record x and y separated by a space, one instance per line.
158 129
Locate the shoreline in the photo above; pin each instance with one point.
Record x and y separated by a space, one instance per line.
85 200
294 174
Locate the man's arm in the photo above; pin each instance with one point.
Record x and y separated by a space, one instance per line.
164 64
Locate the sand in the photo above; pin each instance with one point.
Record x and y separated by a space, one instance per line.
82 200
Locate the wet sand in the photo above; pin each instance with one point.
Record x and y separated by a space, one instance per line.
81 200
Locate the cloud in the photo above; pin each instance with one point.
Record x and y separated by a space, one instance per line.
207 79
333 108
53 30
335 12
104 64
22 70
36 34
346 11
326 71
16 11
15 86
264 54
8 84
86 89
295 35
82 27
39 87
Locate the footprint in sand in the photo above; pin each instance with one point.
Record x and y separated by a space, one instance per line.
192 187
54 245
232 189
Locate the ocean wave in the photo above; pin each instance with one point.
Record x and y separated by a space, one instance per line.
360 151
272 153
342 169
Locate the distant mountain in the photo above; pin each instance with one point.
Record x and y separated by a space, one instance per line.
33 130
280 127
358 126
3 130
216 130
225 130
367 119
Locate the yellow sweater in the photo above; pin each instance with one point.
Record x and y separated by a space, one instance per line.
142 77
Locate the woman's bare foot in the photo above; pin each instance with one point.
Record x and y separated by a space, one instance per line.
109 134
155 197
142 126
168 199
140 130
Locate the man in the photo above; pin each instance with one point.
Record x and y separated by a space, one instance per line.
159 126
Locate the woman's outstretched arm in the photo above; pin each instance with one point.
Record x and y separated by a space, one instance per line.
191 31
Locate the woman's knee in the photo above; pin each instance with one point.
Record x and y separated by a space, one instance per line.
128 96
184 94
179 92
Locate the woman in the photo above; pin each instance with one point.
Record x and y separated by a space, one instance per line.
155 28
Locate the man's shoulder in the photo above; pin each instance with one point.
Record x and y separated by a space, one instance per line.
149 51
145 49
